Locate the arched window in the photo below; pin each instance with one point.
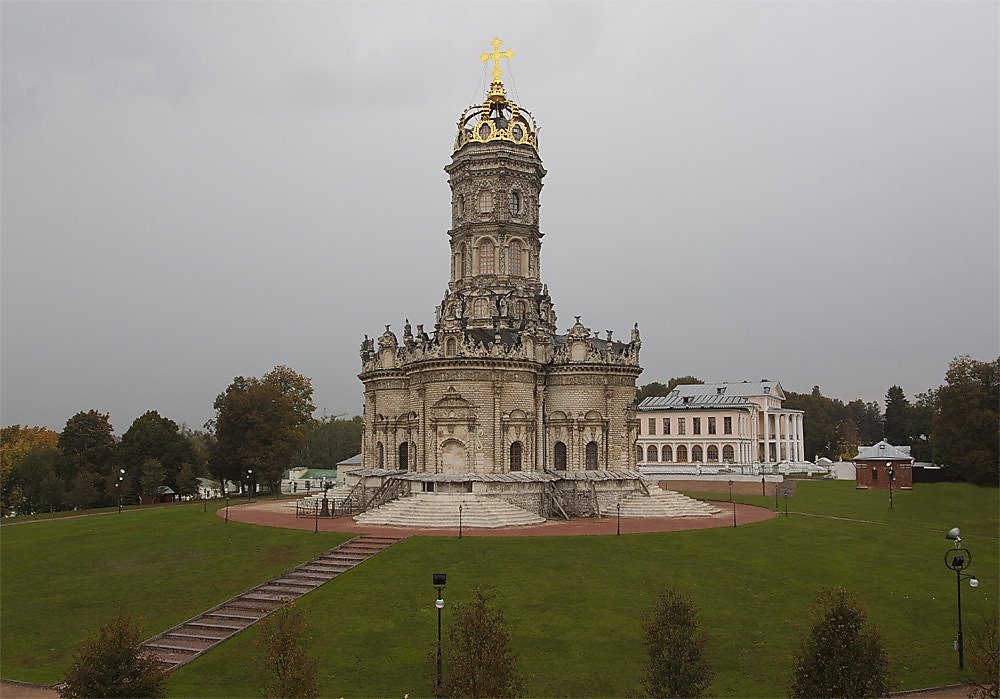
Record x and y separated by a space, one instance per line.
514 258
404 456
652 454
712 453
514 203
485 202
640 454
727 454
696 453
682 454
668 453
451 347
591 456
480 308
486 257
560 456
515 456
380 456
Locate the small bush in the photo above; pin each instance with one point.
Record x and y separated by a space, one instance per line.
113 664
843 655
982 654
291 672
478 659
677 666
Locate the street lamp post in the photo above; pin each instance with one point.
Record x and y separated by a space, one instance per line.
785 494
775 497
618 529
762 493
892 477
439 582
958 559
118 486
249 482
732 501
459 521
227 507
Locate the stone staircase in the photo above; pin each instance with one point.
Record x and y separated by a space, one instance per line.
663 503
188 640
440 510
337 494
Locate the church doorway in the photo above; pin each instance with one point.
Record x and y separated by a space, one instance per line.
404 456
515 456
453 457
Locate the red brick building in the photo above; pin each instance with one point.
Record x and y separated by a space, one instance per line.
875 465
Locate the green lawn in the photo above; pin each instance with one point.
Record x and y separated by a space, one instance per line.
61 578
574 604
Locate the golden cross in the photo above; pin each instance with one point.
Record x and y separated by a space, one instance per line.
495 57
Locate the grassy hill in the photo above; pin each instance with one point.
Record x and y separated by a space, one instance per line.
575 605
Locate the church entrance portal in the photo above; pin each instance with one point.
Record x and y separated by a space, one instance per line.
453 457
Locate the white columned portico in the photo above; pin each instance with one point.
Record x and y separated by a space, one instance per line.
767 438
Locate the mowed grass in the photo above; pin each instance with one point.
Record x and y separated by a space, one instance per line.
61 578
575 605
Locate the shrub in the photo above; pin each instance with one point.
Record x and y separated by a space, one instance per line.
113 664
479 660
291 671
843 655
676 666
982 653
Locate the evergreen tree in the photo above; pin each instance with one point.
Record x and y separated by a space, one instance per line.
897 417
676 666
479 661
842 655
113 665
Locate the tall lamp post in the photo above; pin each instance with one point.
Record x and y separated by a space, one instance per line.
439 582
732 501
618 523
459 521
892 477
249 483
118 486
958 559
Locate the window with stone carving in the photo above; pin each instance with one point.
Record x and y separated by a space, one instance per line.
514 203
404 456
515 456
380 455
560 456
487 261
451 347
485 202
668 453
682 454
519 310
591 456
480 308
514 258
652 453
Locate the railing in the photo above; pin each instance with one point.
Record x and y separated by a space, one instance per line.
335 508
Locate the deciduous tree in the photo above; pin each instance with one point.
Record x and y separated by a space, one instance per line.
982 654
152 476
15 443
842 655
291 672
329 441
87 447
676 664
479 660
260 425
967 423
152 436
113 664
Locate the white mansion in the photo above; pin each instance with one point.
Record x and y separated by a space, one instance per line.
719 423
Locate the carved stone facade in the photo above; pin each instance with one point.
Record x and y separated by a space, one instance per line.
495 388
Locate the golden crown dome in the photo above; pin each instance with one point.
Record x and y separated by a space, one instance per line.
497 118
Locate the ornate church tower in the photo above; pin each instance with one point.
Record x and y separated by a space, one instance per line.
496 389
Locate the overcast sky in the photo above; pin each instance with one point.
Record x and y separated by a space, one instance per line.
191 191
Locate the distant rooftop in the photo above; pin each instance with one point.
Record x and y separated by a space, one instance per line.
883 451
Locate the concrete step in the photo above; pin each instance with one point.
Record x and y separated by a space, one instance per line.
440 510
664 503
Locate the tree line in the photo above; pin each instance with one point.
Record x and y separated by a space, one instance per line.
956 424
262 427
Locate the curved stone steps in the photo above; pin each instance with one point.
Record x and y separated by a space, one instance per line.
440 511
664 503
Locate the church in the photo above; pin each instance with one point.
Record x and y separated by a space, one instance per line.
494 393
